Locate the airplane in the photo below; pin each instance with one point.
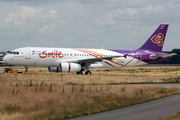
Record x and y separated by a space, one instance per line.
79 59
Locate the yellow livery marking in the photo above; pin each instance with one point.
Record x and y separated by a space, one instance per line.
117 59
134 55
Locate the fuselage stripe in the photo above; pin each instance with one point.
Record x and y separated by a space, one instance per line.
109 64
86 52
114 62
90 52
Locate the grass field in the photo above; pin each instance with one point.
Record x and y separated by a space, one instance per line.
172 117
53 96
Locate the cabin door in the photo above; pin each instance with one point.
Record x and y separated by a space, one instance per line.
27 54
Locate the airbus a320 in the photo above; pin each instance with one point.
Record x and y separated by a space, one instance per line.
78 60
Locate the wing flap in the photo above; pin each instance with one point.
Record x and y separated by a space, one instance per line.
153 57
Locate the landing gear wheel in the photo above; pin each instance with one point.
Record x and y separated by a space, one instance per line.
79 73
88 73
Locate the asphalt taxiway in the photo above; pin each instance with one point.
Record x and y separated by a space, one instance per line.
146 111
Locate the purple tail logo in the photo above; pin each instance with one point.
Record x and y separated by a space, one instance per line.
158 39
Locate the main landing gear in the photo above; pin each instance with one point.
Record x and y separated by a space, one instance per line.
86 73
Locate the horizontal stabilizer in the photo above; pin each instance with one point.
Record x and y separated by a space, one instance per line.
153 57
1 61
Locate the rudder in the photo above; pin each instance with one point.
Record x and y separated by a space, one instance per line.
156 40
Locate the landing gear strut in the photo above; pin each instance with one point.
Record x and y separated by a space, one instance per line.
26 68
84 67
87 72
79 73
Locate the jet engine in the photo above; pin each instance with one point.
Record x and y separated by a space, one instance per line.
66 67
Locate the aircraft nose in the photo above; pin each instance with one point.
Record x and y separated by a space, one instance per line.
5 59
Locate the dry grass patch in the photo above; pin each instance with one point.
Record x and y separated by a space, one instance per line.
172 117
163 74
35 100
46 96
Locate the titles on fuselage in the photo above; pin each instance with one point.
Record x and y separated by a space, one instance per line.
44 54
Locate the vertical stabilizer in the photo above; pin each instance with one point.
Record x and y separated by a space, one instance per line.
156 40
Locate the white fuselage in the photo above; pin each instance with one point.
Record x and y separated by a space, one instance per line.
51 57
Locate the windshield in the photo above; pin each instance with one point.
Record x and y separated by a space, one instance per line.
17 53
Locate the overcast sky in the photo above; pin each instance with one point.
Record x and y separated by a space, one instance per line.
111 24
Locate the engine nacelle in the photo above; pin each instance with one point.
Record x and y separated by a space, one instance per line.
66 67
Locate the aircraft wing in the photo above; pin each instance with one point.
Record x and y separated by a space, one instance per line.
89 60
153 57
93 60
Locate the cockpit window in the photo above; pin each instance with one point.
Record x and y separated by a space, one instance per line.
16 53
